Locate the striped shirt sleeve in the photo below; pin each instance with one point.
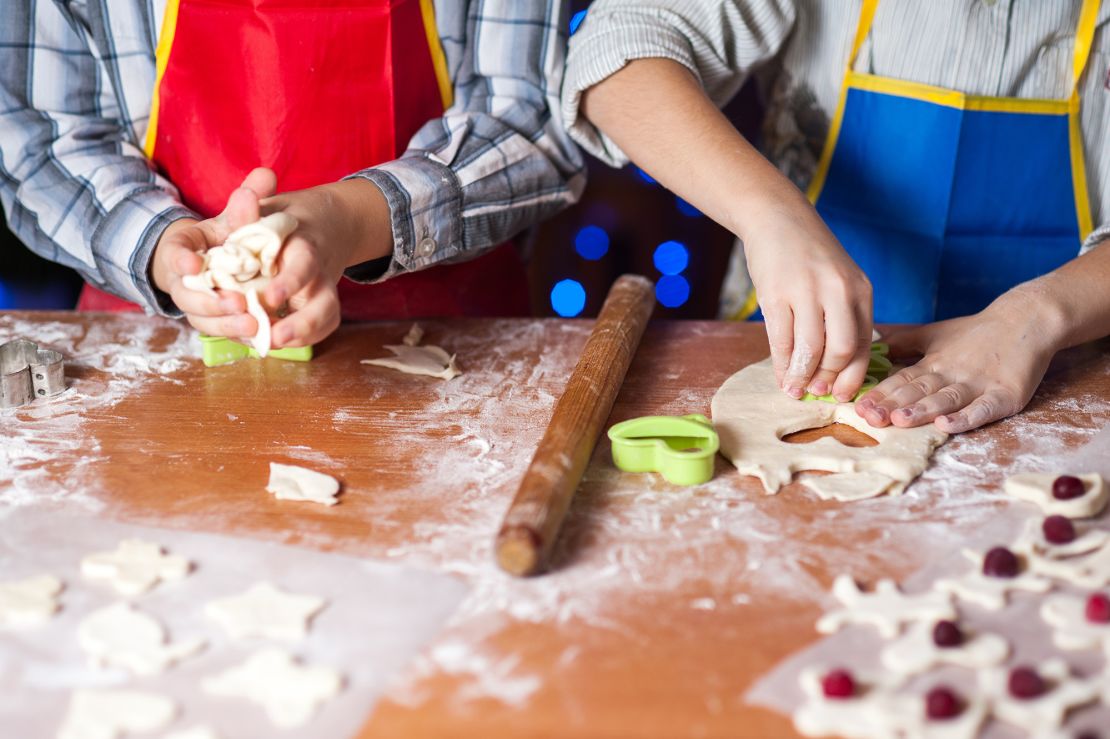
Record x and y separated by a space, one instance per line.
499 160
74 187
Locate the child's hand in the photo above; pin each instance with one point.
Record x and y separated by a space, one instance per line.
816 302
974 370
178 254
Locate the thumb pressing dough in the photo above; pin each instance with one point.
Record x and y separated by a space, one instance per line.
752 414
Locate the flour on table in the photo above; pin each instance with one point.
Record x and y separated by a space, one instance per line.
107 714
917 652
135 566
887 608
1037 488
265 611
988 591
848 486
1039 715
411 358
121 636
289 482
244 263
289 692
752 414
31 601
1071 629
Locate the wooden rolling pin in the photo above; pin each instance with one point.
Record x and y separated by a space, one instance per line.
532 522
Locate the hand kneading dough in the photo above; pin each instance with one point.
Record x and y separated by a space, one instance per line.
752 414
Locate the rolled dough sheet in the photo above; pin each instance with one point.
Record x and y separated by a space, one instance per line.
752 414
379 617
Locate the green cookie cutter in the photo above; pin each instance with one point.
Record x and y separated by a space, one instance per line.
217 350
681 448
878 369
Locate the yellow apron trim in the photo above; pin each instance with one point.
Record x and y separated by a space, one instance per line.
954 99
162 58
435 46
1084 36
747 309
863 28
817 183
1079 172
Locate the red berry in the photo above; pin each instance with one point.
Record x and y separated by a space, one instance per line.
947 634
1058 530
1098 609
1000 562
942 703
1025 683
838 684
1067 487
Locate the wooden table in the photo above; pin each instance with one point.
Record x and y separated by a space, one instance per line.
665 604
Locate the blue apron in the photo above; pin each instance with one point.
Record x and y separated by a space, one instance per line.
948 200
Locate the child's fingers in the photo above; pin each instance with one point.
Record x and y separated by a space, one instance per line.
239 325
779 322
809 343
841 347
948 399
990 406
298 266
870 406
851 378
311 323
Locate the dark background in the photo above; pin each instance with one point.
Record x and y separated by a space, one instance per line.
625 216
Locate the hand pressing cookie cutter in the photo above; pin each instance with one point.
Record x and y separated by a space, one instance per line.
681 448
28 372
877 370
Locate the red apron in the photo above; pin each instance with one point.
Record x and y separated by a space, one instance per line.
315 90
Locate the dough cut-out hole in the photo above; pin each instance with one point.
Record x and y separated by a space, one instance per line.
843 433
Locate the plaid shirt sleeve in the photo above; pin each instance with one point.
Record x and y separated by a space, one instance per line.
499 160
75 187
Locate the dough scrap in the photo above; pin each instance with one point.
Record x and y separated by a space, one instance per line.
108 714
289 482
120 636
916 652
878 713
414 336
135 566
265 611
1037 488
1086 571
1066 614
887 608
30 601
848 486
431 361
752 414
1040 715
261 339
990 592
290 693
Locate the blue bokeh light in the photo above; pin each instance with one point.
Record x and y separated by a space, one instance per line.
645 176
568 298
672 290
576 21
686 209
591 242
671 258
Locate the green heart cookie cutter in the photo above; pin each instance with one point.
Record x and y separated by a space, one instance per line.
681 448
217 350
878 369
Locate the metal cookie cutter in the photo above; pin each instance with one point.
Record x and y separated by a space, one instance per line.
27 372
681 448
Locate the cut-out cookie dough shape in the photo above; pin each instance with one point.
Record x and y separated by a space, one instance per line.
1086 571
1039 715
1038 488
848 486
887 608
431 361
1071 540
752 414
991 591
265 611
921 649
289 482
108 714
289 692
120 636
135 566
1078 622
30 601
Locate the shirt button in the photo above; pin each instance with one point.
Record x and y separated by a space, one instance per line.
427 247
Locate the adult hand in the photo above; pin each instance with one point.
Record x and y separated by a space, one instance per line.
973 370
178 254
816 302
